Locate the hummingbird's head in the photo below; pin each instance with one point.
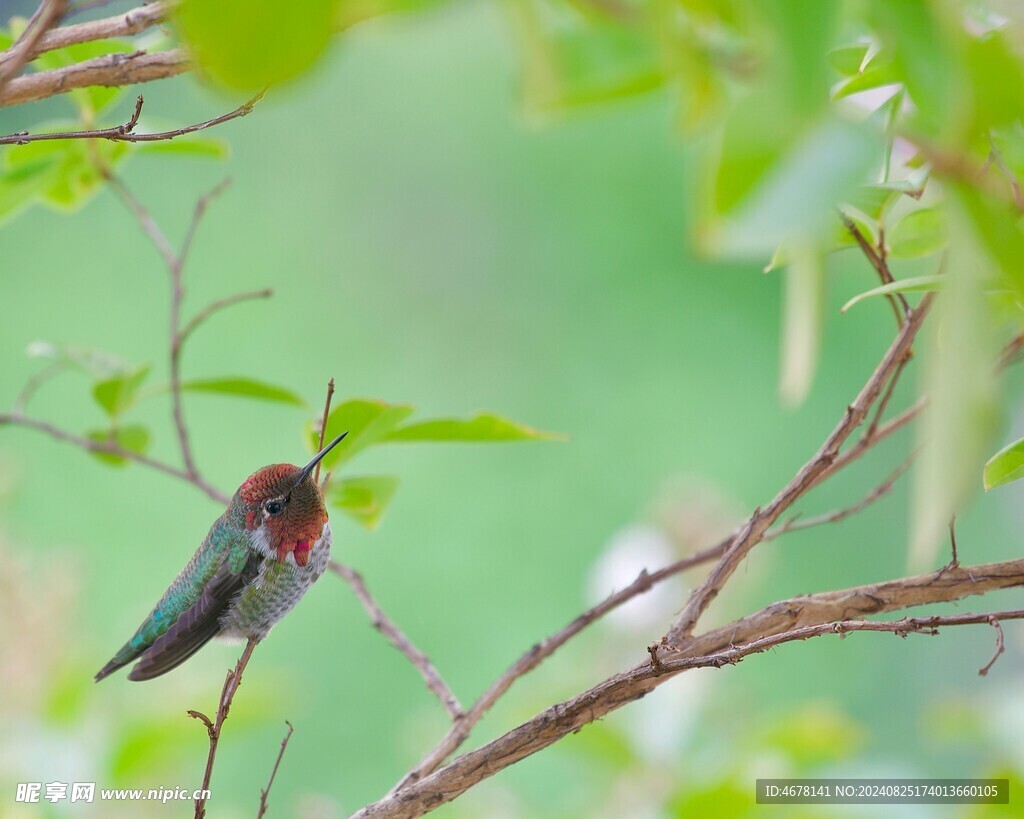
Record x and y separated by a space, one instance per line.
284 508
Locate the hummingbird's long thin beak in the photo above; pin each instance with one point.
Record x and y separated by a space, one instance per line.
307 470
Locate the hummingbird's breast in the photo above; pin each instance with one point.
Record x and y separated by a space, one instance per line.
278 586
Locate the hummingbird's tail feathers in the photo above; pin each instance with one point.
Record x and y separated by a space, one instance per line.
198 624
110 668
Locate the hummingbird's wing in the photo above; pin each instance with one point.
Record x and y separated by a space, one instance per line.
188 614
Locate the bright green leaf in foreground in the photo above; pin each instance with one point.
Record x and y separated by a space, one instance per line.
118 393
1006 466
249 44
245 388
480 428
134 438
364 498
919 233
366 422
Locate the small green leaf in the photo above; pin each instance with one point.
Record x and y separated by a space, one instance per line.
915 284
367 422
919 233
19 187
480 428
874 77
848 60
364 498
116 394
133 437
245 387
1006 466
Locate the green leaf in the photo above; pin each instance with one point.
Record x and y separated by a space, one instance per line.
187 146
848 60
364 498
279 42
133 437
874 77
117 394
801 322
367 422
1006 466
919 233
21 186
244 387
480 428
914 284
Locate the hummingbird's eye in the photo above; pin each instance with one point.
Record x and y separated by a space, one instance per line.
273 507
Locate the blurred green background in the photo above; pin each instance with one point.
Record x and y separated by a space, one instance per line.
430 242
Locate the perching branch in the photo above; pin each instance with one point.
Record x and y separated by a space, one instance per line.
18 55
795 619
265 792
213 728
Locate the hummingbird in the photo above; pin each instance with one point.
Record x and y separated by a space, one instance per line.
259 558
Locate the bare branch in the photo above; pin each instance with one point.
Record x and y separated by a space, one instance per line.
264 793
17 56
220 304
877 259
380 621
111 70
993 620
762 520
801 617
227 694
111 448
323 430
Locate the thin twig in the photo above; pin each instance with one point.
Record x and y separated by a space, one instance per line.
762 519
125 132
227 694
993 620
837 515
17 56
380 621
265 792
877 260
144 218
323 427
111 448
111 70
955 561
995 156
220 304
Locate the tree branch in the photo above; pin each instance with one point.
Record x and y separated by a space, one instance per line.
18 55
264 793
124 132
380 621
801 617
761 520
111 70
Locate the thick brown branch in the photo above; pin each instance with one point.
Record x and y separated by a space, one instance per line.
112 70
131 22
17 56
380 621
802 617
762 519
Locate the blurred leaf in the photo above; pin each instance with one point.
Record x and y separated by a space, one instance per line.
873 200
1006 466
604 744
1000 232
93 362
920 233
480 428
848 60
276 42
816 734
367 422
187 146
801 322
23 185
364 498
133 437
725 799
243 387
875 77
116 394
963 412
914 284
993 69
